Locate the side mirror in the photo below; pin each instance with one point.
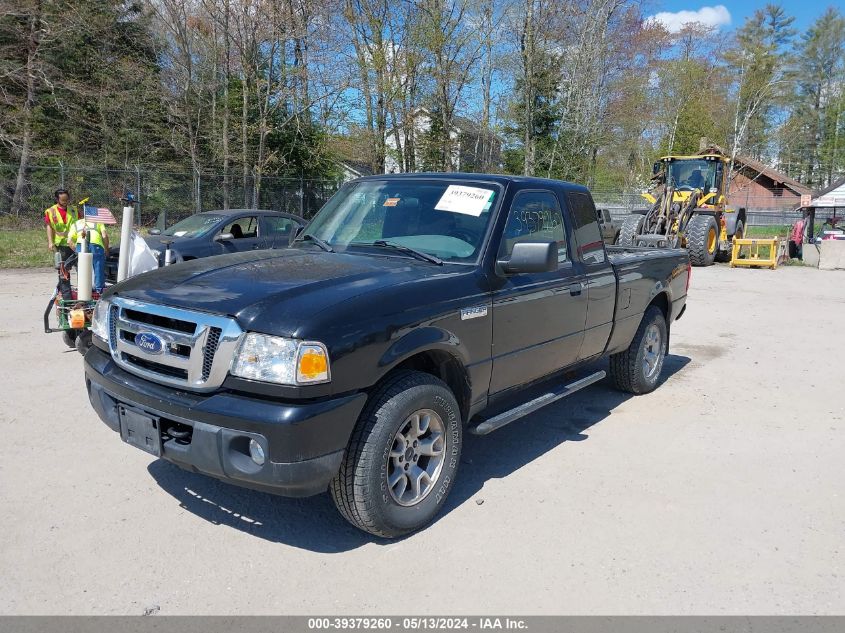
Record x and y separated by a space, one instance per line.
155 231
224 237
530 257
655 168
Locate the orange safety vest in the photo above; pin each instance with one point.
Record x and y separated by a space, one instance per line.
60 227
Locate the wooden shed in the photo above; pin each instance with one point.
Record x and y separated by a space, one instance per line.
755 185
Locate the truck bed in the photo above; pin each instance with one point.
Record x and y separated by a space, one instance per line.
621 255
636 270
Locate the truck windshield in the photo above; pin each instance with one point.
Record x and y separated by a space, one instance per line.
193 226
692 174
446 219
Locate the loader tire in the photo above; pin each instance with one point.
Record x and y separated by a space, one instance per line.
702 240
631 227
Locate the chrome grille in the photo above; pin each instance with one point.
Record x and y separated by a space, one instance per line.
112 326
209 351
194 349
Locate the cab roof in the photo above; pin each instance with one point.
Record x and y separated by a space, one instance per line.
694 157
524 182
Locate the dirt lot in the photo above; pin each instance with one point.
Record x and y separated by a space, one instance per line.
720 493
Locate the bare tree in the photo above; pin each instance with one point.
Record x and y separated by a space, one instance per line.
33 47
455 48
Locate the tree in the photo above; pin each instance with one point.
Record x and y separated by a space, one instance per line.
760 65
84 87
27 24
814 124
454 49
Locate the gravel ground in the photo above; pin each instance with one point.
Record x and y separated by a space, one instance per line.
720 493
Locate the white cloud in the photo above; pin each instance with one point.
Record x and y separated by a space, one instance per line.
709 16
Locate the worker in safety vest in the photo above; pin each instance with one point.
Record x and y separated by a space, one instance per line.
59 219
98 246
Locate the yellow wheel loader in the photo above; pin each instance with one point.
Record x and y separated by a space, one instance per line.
688 209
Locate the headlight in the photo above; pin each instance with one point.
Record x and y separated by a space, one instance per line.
281 360
100 320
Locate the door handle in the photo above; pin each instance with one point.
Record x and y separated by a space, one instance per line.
575 289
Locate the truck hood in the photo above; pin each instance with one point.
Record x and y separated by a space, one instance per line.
276 290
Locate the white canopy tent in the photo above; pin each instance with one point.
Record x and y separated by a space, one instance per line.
825 202
831 198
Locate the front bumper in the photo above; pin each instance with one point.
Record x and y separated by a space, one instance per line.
304 442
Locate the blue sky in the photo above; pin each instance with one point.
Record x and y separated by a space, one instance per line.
730 14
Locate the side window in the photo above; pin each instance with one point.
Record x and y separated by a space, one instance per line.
278 226
587 235
242 227
535 216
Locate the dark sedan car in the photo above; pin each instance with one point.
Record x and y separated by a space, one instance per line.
216 233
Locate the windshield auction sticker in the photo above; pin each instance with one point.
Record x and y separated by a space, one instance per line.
466 200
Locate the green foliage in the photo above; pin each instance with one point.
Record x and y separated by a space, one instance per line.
759 61
24 248
433 143
100 102
300 148
813 148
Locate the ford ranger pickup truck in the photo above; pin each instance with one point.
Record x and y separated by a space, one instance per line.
411 310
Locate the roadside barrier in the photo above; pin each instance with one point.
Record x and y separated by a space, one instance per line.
756 252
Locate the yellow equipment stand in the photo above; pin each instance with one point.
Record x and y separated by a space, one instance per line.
746 252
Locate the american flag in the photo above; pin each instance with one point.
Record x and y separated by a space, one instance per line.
99 214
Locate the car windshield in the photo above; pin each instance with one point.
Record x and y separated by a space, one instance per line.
692 174
193 226
446 219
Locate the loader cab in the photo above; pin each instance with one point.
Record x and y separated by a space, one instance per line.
688 173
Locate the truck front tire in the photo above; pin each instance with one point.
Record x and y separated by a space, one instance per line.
402 458
637 369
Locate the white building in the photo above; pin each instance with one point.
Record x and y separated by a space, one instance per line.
470 144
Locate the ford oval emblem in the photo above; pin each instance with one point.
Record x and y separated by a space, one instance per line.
149 342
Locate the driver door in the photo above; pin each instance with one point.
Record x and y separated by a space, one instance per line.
538 318
244 230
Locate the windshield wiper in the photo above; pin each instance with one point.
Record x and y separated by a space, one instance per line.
319 242
410 251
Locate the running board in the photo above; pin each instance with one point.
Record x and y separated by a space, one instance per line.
500 420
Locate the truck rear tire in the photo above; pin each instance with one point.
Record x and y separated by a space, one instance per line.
402 457
631 227
637 369
702 240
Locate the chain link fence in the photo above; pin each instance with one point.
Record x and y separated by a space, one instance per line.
776 210
164 197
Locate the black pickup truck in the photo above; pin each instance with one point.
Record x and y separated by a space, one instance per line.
411 310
